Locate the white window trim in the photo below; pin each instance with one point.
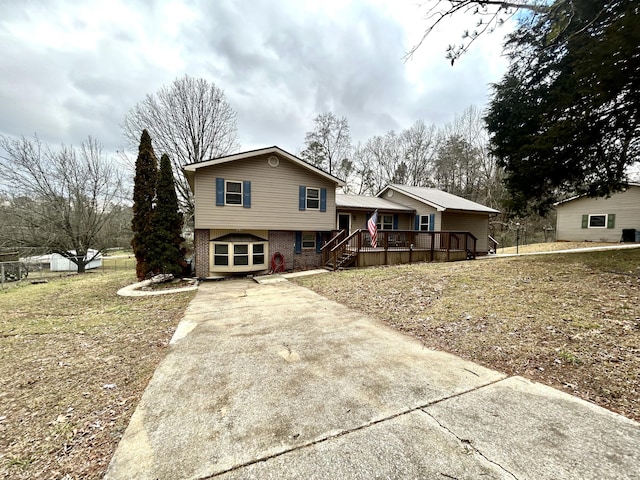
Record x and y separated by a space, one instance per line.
606 220
383 225
311 234
423 224
231 267
306 200
226 192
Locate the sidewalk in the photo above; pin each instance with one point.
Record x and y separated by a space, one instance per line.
274 381
572 250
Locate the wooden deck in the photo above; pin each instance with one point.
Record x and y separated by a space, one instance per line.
397 247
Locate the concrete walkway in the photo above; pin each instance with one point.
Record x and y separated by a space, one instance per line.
621 246
272 381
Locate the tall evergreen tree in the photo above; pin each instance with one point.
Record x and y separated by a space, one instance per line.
144 192
165 251
565 119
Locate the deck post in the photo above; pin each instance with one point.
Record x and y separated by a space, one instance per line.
433 244
386 246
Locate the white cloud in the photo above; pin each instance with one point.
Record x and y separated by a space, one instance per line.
75 69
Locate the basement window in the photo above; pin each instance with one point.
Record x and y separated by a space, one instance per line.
238 253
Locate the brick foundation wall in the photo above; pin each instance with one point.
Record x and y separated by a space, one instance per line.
201 252
284 243
279 241
307 260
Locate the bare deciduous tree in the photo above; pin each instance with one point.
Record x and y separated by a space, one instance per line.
328 145
463 163
420 144
62 201
490 13
189 120
406 158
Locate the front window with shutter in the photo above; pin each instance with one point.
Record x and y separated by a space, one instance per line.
313 198
308 240
233 193
385 222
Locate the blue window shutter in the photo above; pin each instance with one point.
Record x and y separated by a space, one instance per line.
585 221
432 222
611 220
318 241
323 199
298 244
302 201
416 223
395 221
220 191
246 194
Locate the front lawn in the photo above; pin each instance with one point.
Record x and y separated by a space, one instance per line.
571 321
74 361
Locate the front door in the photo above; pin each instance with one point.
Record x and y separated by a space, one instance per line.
344 222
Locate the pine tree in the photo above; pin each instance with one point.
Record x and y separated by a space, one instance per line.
144 192
165 251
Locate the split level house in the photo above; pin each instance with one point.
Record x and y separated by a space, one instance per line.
267 209
599 219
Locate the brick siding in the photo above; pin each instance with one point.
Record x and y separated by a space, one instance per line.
284 243
201 251
279 241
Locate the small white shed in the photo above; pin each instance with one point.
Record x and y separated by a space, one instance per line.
63 264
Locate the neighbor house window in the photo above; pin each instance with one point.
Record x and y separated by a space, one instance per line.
308 240
598 221
424 222
385 222
233 193
313 198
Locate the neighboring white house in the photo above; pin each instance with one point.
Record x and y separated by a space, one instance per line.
63 264
599 219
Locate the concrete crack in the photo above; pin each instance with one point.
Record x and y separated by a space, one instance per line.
468 443
356 429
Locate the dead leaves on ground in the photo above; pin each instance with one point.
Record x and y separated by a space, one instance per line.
568 321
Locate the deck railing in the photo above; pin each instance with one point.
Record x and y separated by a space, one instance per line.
341 250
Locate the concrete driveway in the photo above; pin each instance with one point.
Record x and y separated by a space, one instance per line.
276 382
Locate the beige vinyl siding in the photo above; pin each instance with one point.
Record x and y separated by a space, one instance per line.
274 197
418 206
359 220
624 205
405 221
476 223
217 233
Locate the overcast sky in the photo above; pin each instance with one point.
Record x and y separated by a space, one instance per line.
74 68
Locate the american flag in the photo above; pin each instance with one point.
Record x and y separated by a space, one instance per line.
373 229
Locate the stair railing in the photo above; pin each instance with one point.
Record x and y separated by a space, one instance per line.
337 251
